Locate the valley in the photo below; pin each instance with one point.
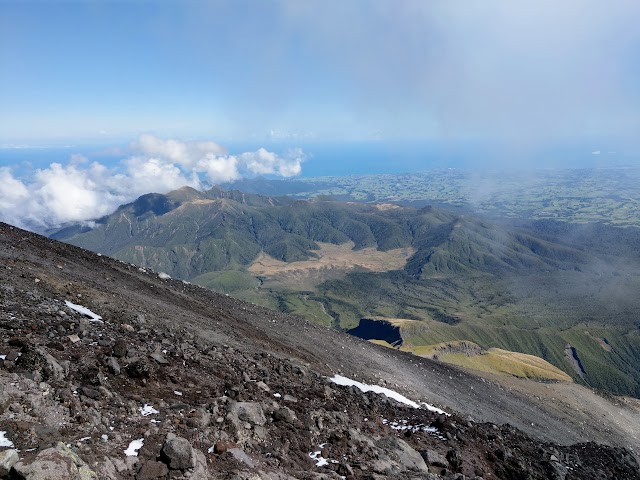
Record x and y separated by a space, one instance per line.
528 287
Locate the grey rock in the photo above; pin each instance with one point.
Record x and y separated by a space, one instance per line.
12 356
434 458
46 467
455 460
284 414
179 452
251 412
402 455
59 462
5 399
345 470
113 365
200 471
46 434
91 393
242 457
556 471
159 358
7 459
152 470
120 348
263 386
53 368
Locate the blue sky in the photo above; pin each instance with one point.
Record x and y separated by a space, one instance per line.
157 94
360 69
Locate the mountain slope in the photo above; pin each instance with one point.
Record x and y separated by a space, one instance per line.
210 365
531 288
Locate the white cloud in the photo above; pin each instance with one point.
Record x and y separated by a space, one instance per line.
145 175
185 154
80 192
263 162
220 169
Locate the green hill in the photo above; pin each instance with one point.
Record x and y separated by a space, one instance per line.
528 287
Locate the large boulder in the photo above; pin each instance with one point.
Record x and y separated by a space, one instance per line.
400 457
179 453
7 459
152 470
250 412
59 462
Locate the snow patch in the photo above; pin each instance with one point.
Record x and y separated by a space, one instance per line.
347 382
84 311
2 357
4 441
316 457
177 393
404 425
431 408
147 410
164 276
134 446
277 395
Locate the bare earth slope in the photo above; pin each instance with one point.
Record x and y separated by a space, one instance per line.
211 365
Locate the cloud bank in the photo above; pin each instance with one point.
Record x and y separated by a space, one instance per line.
482 68
80 191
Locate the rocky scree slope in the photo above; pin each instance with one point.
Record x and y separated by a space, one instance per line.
176 382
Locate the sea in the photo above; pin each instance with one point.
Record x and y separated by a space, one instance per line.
354 157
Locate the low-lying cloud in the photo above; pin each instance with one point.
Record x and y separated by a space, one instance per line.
80 191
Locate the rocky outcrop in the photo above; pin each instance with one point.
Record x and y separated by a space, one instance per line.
59 462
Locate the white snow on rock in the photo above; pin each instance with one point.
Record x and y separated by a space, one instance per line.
277 395
84 311
404 425
134 446
4 441
164 276
316 457
177 393
431 408
340 380
147 410
2 357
